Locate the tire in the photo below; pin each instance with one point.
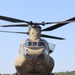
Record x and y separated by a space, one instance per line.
50 73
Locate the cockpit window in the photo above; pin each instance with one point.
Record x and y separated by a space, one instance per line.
28 43
32 44
35 44
40 43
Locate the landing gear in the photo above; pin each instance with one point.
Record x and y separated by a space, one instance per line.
50 73
17 73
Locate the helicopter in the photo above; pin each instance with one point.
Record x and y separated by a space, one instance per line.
34 52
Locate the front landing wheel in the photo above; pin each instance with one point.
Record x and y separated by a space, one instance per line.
50 73
17 74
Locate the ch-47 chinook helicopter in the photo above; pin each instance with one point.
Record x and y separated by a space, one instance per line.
34 58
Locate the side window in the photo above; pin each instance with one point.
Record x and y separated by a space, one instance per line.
26 44
52 46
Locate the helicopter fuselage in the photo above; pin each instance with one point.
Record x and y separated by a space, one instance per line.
34 58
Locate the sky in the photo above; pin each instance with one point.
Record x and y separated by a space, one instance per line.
38 11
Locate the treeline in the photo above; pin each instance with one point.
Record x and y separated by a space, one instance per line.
59 73
65 73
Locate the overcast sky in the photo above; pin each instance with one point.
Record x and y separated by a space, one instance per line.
38 11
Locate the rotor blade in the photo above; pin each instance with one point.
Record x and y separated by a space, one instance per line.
14 32
59 24
53 37
12 19
43 23
15 25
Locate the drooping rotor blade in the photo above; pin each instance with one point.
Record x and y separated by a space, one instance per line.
15 25
12 19
53 37
14 32
59 24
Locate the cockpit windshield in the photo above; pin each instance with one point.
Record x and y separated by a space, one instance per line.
34 44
